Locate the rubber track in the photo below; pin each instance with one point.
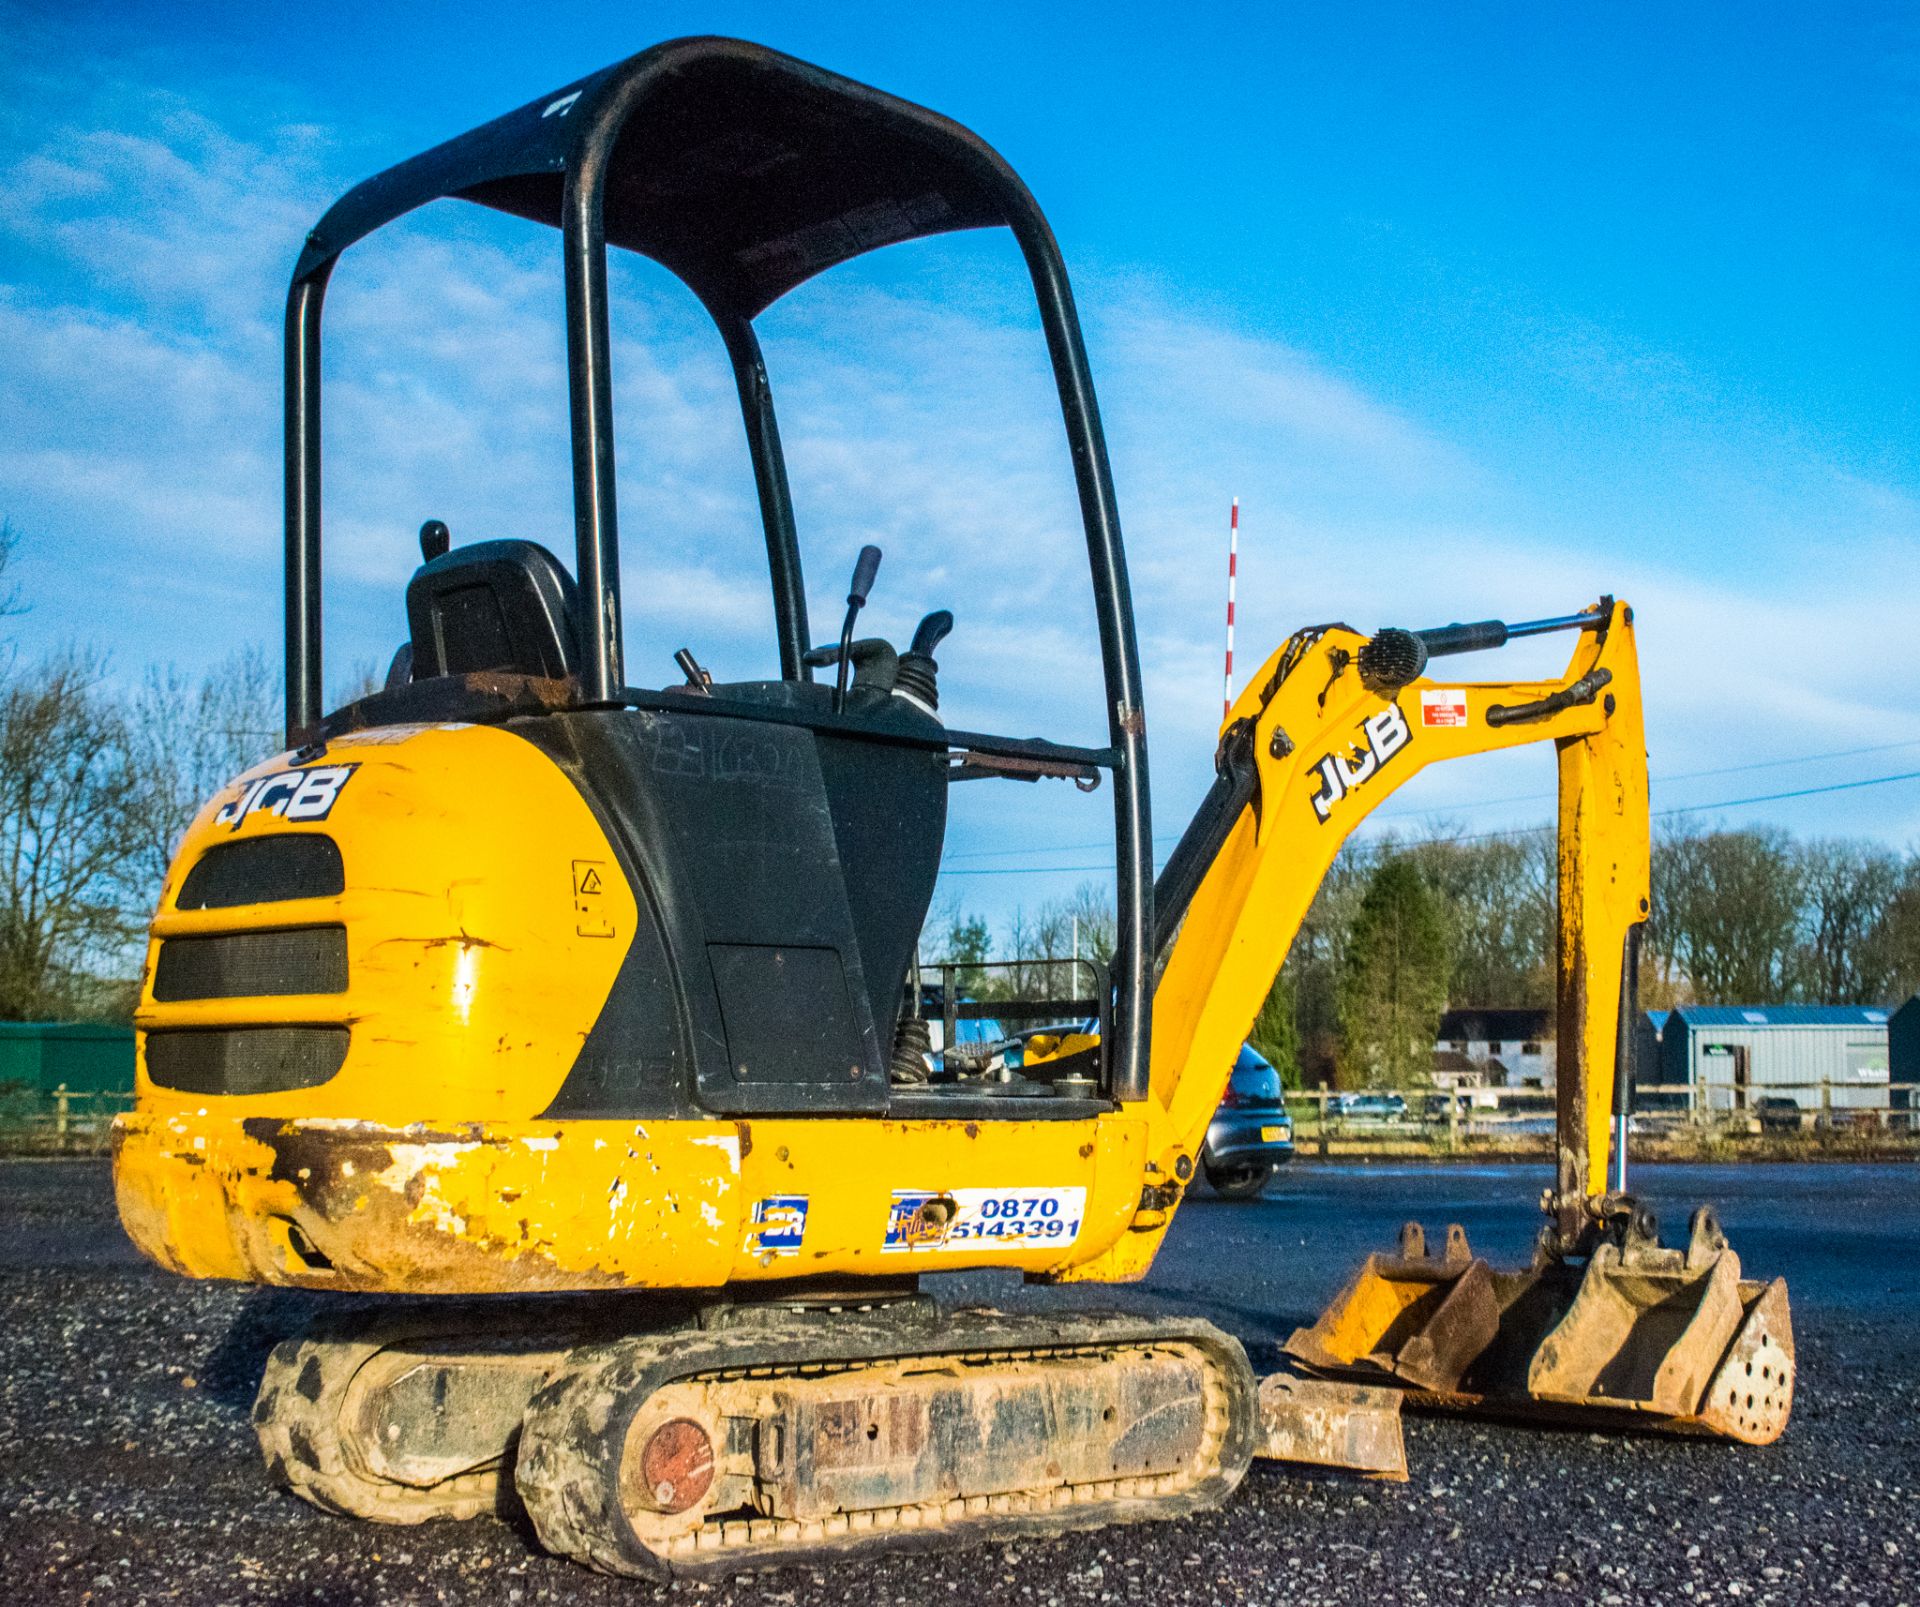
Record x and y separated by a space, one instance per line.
567 1471
297 1418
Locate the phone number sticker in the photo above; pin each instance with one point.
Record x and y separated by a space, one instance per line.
982 1219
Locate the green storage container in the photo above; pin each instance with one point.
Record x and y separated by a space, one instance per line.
87 1058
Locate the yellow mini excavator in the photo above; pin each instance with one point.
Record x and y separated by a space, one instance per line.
590 1004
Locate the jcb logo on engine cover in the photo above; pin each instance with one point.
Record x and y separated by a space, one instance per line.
291 794
1383 735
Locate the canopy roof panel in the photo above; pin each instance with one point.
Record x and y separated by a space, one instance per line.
742 170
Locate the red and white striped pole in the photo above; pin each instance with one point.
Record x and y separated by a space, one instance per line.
1233 569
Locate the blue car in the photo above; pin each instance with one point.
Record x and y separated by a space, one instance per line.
1251 1135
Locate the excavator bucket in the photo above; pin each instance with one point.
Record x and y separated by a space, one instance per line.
1637 1336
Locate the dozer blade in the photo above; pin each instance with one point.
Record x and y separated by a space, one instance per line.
1351 1426
1638 1336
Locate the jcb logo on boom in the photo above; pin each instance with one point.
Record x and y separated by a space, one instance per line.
1383 735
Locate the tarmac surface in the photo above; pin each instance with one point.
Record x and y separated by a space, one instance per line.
128 1471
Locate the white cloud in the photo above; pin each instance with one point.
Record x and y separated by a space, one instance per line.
139 453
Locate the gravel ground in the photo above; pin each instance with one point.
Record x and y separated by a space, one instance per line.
128 1471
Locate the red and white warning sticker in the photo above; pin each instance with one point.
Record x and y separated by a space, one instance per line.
1443 707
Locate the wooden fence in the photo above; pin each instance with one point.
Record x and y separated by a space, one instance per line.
1380 1119
63 1122
1326 1121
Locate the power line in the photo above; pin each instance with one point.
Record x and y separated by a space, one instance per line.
1803 758
1661 781
1485 836
1801 792
1526 797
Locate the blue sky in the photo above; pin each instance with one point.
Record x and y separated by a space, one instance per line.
1479 310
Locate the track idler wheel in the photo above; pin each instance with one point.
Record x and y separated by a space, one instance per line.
794 1438
397 1418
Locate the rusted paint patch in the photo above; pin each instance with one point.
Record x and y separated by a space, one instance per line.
348 1205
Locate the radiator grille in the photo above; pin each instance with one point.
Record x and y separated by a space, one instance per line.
264 870
245 1060
248 965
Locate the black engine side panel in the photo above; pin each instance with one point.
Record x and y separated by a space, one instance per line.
782 874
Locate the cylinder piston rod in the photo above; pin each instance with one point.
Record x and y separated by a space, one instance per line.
1441 640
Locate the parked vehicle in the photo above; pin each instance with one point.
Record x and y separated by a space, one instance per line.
1251 1134
1369 1107
1779 1113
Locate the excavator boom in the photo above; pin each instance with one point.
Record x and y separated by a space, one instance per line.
1332 725
1606 1325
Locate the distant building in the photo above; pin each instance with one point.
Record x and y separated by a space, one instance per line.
1903 1053
1732 1056
1644 1067
1482 1047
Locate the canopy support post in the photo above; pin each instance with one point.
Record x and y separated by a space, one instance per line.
776 498
302 442
590 416
1127 1060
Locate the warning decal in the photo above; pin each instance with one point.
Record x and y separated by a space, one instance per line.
1443 707
591 918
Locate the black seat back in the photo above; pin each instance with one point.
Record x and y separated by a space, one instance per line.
492 605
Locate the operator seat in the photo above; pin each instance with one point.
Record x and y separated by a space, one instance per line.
505 606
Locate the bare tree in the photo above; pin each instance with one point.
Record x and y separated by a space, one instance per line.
1895 939
10 603
70 884
362 678
1726 910
1022 979
189 738
1498 896
1847 887
1082 925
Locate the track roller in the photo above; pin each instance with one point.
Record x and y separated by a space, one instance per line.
790 1437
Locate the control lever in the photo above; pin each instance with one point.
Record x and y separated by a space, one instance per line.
918 679
697 678
865 569
932 632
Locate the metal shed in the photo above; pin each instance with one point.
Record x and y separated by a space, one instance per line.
1903 1054
1732 1056
86 1057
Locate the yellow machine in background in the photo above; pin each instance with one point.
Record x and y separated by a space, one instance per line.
514 978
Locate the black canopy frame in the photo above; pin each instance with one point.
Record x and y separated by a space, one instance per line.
745 172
